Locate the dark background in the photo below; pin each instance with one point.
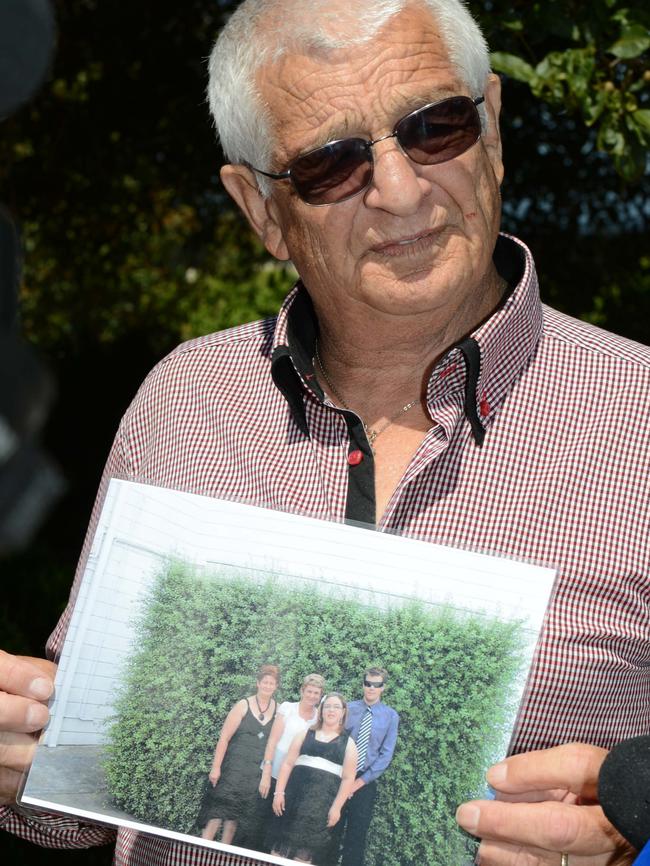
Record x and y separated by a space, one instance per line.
130 245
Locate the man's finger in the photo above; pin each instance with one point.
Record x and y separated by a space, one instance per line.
573 766
9 786
27 677
22 715
559 795
16 751
550 826
503 854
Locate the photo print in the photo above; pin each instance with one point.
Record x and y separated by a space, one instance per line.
283 687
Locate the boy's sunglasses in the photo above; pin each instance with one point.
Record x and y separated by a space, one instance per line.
341 169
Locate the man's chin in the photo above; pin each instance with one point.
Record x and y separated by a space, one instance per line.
419 293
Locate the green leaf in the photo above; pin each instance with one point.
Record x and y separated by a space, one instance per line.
641 118
611 139
517 25
513 66
634 41
594 108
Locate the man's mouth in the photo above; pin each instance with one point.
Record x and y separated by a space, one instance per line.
412 244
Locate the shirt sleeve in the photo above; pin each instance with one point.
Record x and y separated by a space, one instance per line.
42 828
53 831
284 709
385 751
352 718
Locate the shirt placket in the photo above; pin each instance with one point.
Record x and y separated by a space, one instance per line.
445 407
329 442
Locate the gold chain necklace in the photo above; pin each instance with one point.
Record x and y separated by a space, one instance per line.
370 433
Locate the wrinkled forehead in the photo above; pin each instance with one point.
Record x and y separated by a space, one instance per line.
320 25
314 96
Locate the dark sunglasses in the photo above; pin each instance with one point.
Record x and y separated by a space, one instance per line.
370 685
341 169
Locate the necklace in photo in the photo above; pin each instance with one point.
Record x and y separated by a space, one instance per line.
262 712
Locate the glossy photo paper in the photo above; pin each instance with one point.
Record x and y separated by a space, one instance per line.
281 687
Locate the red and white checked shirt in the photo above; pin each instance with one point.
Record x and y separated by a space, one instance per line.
562 478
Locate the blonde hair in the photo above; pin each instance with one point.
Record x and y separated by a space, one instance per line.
313 680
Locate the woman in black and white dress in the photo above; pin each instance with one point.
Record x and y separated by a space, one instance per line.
313 785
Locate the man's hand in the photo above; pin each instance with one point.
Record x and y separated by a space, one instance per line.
546 804
25 686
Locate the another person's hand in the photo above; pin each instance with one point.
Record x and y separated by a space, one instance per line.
333 816
278 803
25 686
214 776
358 784
546 805
265 782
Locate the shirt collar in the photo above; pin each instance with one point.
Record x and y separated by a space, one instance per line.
479 370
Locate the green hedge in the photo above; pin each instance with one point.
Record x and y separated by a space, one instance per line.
200 640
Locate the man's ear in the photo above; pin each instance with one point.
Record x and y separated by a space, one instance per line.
241 185
492 135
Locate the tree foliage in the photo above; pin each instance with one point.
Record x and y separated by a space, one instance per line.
200 641
598 70
113 171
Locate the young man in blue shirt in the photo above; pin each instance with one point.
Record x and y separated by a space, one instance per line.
373 726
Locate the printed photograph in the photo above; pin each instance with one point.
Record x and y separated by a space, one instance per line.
300 699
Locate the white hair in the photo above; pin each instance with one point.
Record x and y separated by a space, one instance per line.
262 31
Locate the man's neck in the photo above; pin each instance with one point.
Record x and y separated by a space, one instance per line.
376 363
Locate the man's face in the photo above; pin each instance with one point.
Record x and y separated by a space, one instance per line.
373 689
419 239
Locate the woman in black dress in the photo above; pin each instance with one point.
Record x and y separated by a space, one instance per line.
313 785
232 798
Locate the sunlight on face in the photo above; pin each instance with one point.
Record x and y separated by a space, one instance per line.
420 238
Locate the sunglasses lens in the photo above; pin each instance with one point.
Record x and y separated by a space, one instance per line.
441 131
334 172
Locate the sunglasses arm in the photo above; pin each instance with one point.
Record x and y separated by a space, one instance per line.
282 176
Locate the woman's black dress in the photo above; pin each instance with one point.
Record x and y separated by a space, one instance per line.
235 797
310 792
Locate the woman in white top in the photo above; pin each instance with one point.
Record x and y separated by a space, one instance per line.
291 719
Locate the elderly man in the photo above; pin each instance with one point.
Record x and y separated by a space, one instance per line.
412 380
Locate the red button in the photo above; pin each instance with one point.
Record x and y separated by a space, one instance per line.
355 457
443 373
484 406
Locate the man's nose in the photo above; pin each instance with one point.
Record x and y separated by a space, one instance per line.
398 184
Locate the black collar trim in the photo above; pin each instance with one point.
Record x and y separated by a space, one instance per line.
292 366
472 355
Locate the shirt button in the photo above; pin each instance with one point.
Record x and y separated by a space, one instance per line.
355 457
484 406
447 371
